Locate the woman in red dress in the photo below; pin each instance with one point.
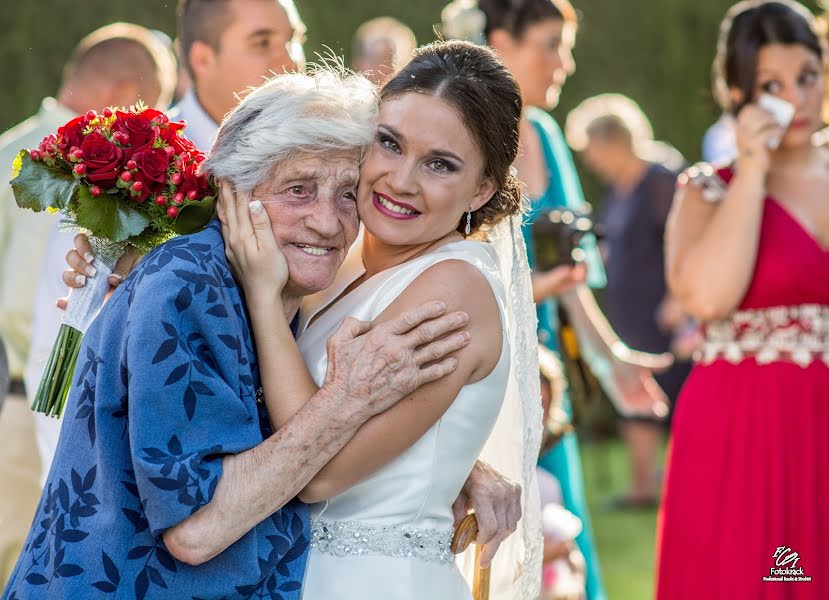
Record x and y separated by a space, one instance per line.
746 505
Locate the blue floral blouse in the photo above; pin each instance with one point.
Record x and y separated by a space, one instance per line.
164 388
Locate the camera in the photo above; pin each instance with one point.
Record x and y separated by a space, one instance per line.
557 236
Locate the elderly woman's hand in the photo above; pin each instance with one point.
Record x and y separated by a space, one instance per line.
80 260
497 504
252 252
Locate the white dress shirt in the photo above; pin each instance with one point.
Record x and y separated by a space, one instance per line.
201 128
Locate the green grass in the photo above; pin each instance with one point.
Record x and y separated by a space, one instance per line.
625 539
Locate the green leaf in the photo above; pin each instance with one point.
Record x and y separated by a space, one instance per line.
108 216
39 187
193 217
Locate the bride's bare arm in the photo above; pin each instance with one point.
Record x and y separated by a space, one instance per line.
261 269
386 436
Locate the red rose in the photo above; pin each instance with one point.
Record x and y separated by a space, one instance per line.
103 160
140 130
170 132
193 180
155 115
71 135
151 169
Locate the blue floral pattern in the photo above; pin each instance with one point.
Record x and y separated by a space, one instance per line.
164 388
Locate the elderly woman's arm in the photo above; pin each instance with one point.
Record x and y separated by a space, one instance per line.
253 484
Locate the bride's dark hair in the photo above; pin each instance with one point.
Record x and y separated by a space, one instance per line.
483 92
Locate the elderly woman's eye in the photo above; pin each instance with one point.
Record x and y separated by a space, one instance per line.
350 196
299 190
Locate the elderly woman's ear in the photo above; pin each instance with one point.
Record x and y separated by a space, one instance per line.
226 200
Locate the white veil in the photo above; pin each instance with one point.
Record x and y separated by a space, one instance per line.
513 446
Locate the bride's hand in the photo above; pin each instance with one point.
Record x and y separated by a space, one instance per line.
250 246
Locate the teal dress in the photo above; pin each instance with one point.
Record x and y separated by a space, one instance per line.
563 460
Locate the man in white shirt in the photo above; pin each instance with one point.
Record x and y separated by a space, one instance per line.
227 47
113 66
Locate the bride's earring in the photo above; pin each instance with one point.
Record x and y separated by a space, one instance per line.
469 220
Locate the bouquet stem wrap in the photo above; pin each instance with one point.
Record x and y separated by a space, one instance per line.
82 308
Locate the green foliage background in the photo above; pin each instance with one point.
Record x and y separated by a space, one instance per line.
657 51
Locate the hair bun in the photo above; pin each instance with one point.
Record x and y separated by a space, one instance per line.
463 20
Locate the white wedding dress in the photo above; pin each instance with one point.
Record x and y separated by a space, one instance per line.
388 537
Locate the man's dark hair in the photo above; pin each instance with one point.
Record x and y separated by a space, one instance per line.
202 21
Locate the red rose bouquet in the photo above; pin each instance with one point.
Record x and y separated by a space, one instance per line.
124 176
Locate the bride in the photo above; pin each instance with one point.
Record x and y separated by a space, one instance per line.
441 215
436 178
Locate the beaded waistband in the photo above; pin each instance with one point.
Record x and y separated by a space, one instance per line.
345 538
797 334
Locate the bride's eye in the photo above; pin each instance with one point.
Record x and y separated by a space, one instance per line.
388 142
441 166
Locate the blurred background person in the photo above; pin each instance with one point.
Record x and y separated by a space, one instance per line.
4 374
228 46
615 140
719 144
113 66
380 47
747 253
564 571
535 38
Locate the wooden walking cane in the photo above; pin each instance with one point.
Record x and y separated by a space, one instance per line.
466 532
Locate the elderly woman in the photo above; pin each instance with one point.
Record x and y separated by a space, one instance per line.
168 481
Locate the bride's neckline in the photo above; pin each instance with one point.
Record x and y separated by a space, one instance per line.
353 269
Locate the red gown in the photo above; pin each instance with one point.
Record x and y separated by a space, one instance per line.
747 484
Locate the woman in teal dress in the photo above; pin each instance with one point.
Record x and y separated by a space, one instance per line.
534 38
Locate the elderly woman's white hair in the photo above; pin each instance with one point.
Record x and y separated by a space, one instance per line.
327 110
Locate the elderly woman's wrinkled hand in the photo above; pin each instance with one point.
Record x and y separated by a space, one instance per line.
250 246
496 501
